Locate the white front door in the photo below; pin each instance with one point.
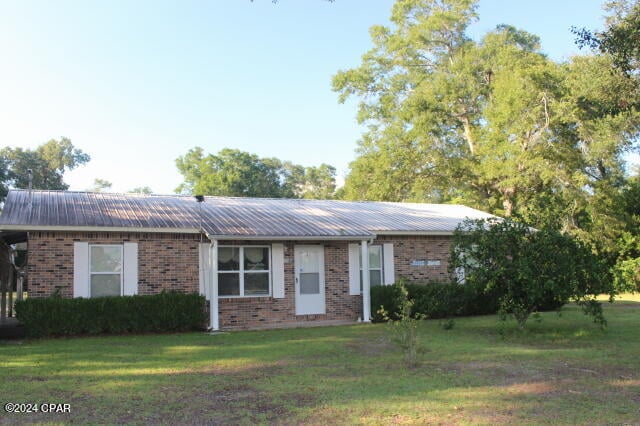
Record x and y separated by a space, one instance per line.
309 264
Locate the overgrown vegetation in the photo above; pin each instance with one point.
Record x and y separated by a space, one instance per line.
526 268
164 312
563 370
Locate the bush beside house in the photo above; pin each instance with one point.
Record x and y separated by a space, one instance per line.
507 268
529 269
164 312
444 300
434 300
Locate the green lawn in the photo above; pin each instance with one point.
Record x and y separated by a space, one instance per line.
563 370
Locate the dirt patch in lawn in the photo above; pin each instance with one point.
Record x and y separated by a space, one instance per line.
507 373
370 347
238 404
560 379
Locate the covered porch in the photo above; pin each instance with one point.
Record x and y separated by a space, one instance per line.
13 264
306 280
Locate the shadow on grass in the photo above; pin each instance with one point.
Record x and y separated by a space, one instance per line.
562 370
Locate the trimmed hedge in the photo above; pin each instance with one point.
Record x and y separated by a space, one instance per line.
435 300
164 312
443 300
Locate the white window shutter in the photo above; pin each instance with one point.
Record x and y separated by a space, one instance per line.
277 270
354 269
130 266
80 269
203 267
389 272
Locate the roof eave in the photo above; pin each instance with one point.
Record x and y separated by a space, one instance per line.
238 237
56 228
53 228
404 233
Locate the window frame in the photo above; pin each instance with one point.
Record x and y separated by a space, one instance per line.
121 273
241 272
380 269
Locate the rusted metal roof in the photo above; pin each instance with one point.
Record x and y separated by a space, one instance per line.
227 216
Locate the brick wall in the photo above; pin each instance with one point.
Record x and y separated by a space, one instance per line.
420 250
170 262
251 312
165 261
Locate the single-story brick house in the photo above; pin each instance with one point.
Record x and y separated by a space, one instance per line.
259 262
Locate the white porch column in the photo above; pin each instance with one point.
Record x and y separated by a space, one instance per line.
366 294
214 321
20 286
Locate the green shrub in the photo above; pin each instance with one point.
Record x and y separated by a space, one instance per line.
433 300
164 312
444 300
386 300
528 269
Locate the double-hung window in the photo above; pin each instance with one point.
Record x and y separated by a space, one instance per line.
244 271
105 270
375 266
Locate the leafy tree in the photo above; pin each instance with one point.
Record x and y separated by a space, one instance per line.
4 177
627 250
493 123
100 185
48 163
236 173
527 268
621 38
141 190
319 182
231 172
306 182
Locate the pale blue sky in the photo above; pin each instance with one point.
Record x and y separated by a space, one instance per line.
137 83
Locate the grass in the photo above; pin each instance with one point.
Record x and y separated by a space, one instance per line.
623 297
562 370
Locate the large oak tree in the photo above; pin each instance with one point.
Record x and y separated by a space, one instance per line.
493 123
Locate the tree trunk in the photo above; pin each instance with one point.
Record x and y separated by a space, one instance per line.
467 134
507 201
